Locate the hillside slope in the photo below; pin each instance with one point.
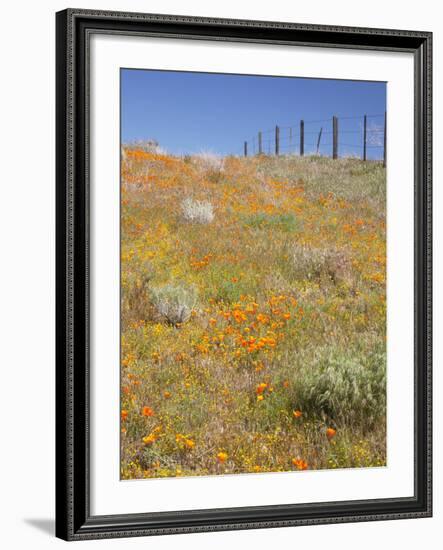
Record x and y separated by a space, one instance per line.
253 314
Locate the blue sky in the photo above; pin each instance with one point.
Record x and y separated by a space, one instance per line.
190 112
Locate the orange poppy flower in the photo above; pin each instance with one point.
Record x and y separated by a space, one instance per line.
222 457
124 414
261 388
147 411
297 413
300 464
330 432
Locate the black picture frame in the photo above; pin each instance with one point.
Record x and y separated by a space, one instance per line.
74 28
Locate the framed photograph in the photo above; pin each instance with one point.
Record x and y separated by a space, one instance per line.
243 274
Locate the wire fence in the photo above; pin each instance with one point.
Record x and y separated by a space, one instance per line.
337 137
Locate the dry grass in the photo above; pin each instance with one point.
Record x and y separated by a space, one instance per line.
253 337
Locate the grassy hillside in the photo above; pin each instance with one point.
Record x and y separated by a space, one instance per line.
253 314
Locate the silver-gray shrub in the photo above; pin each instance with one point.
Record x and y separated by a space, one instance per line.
174 303
197 211
209 162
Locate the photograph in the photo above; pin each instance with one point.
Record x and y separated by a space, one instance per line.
253 225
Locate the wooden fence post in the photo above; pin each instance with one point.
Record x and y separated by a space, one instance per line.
318 140
302 137
277 140
259 144
384 143
364 137
246 149
334 137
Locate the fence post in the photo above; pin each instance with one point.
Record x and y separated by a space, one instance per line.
364 137
246 149
318 140
259 144
384 143
277 140
302 137
334 137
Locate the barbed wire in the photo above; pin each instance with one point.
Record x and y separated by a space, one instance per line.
295 138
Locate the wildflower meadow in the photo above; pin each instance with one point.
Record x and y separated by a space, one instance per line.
253 314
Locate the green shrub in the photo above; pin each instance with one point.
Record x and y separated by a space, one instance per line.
345 388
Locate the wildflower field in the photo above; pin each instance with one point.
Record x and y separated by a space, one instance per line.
253 314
